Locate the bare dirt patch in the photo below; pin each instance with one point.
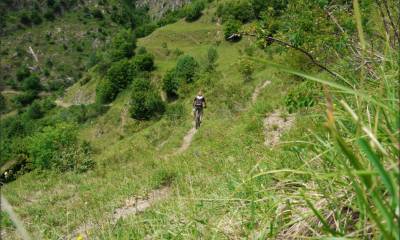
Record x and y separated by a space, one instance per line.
275 124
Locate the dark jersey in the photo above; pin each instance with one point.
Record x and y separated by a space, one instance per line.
199 101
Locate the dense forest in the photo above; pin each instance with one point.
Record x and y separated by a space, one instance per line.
300 138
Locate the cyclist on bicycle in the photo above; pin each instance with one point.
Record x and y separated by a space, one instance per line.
199 103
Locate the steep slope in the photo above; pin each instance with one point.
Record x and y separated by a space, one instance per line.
130 161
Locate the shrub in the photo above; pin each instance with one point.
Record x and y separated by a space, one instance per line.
146 103
246 68
241 10
171 84
22 73
231 30
25 18
49 15
25 98
35 111
31 83
141 50
3 105
212 57
120 74
123 45
144 62
58 148
194 11
36 18
186 68
302 96
98 14
145 30
106 92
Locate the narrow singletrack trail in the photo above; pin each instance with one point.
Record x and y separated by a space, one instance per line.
132 206
258 90
61 103
187 140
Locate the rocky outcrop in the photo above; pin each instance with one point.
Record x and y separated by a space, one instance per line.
159 7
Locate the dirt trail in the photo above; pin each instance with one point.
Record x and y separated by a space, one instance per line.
133 205
258 90
61 103
187 140
275 124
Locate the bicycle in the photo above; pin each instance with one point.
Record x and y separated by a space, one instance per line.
197 117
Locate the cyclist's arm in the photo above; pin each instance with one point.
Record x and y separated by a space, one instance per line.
204 101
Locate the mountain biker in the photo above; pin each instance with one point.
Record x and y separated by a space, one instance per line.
199 103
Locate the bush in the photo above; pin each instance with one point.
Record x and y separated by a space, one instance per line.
106 92
145 30
194 11
246 68
49 15
57 148
36 18
31 83
171 84
3 105
123 45
186 68
146 103
302 96
22 73
241 10
120 74
212 57
231 30
25 18
24 98
35 111
144 62
98 14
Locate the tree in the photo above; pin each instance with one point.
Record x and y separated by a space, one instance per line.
146 103
186 68
123 45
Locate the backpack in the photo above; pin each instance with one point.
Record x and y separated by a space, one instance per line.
199 101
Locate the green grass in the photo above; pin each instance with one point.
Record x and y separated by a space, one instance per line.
227 184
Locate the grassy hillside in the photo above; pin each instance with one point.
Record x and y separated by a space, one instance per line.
232 181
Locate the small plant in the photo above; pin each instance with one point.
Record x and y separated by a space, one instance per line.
246 68
212 57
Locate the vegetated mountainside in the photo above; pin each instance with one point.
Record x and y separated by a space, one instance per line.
281 154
